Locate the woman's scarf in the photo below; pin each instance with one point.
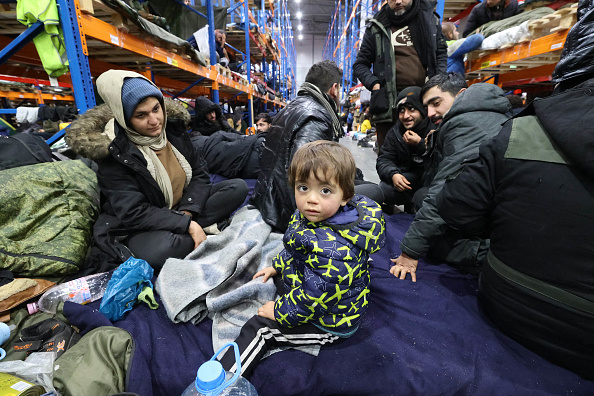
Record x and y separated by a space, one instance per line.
147 146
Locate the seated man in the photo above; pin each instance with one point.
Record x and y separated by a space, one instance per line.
220 38
209 118
311 116
490 10
465 117
400 164
530 190
263 122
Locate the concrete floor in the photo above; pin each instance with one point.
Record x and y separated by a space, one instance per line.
365 158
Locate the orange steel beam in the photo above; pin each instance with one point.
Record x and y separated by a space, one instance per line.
105 32
31 95
33 81
527 76
346 26
539 46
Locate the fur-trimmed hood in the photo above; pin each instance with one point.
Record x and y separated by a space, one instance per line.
87 134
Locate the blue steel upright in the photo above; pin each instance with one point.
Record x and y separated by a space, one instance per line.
248 58
211 45
78 62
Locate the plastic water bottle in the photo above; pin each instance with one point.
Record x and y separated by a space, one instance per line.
210 379
81 291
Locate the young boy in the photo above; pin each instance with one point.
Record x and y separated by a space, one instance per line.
324 263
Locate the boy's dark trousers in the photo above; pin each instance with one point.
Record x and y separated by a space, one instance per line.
258 335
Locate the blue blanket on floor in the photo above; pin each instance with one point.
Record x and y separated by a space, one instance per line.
421 338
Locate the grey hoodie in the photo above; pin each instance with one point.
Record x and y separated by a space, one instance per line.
475 116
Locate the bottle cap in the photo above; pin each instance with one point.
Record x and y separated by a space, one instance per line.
210 375
32 308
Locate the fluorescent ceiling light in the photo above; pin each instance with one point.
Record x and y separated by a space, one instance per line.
299 14
300 37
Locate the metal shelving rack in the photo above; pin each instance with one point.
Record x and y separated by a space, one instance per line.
522 64
346 30
527 66
86 35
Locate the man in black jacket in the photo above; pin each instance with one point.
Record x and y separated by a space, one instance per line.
465 117
531 191
400 164
405 46
208 117
490 10
311 116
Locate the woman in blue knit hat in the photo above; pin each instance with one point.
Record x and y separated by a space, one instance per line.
155 188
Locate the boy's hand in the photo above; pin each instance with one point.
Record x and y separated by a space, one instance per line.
267 310
267 272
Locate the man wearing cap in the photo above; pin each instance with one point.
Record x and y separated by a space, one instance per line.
156 192
402 47
531 189
465 117
400 164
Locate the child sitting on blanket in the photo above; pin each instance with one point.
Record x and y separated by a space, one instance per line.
324 263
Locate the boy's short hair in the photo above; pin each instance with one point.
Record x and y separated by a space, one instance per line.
329 159
324 75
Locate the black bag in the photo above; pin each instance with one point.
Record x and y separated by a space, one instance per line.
379 101
23 149
50 335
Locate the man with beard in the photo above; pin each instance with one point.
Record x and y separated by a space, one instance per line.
400 164
404 45
311 116
465 117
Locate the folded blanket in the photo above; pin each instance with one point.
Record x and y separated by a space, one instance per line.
493 27
216 279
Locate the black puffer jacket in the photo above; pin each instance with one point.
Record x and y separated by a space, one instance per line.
231 155
539 213
303 120
577 58
202 107
475 116
399 157
383 67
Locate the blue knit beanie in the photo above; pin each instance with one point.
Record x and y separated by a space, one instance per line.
134 91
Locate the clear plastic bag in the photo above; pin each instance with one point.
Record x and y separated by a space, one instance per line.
38 368
126 283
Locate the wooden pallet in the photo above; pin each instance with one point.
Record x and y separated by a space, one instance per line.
561 19
223 71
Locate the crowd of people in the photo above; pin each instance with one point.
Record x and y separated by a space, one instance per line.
507 199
